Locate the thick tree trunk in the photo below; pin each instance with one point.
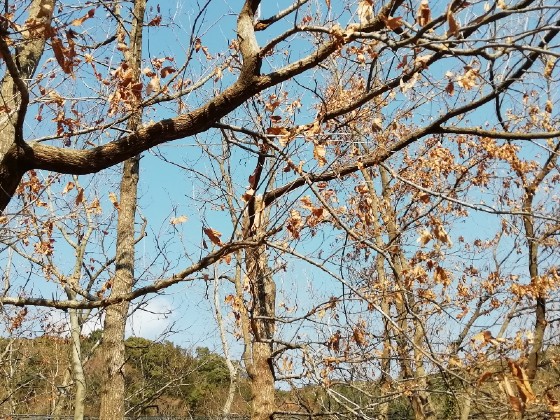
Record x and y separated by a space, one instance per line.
262 322
113 349
14 98
262 313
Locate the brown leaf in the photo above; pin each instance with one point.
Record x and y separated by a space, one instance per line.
522 382
248 194
156 21
469 79
393 22
450 88
214 236
79 21
166 71
69 187
58 50
319 153
278 131
424 237
515 402
441 277
365 12
148 72
424 15
80 196
294 223
549 67
113 199
453 25
153 86
334 342
359 334
485 376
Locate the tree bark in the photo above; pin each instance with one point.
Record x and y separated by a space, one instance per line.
14 97
77 366
113 348
261 313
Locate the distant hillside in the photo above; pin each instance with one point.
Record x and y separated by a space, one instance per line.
161 378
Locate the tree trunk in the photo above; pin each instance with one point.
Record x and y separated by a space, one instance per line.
540 309
262 313
14 98
420 397
77 366
113 349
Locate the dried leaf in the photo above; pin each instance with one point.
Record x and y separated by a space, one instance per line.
166 71
113 199
549 67
522 382
453 25
154 86
294 223
306 202
148 72
214 236
319 153
365 11
484 377
156 21
80 196
441 277
515 402
359 334
469 79
80 21
393 22
441 234
334 342
450 88
178 220
69 187
424 15
58 50
278 131
424 237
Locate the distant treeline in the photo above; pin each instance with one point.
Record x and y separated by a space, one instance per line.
163 381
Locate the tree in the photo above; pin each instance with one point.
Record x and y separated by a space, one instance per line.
377 126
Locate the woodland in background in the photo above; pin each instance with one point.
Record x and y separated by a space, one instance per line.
358 200
164 379
160 378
